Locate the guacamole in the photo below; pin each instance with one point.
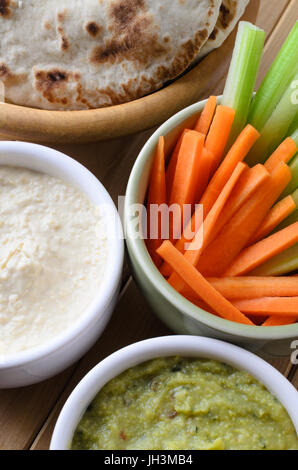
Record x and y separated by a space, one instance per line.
180 404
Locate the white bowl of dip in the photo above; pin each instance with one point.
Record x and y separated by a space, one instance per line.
180 345
43 361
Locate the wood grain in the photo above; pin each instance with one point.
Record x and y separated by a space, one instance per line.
24 410
294 377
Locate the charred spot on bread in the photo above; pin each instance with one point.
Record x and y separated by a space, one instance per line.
214 33
64 40
4 72
47 81
93 28
136 43
5 11
124 12
227 13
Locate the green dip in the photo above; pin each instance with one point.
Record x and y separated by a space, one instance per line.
181 404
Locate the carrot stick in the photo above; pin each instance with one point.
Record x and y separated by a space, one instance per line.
254 287
235 234
247 185
265 249
156 195
248 182
195 299
279 321
199 284
204 122
193 226
283 153
236 154
170 173
197 246
186 175
272 306
189 231
276 215
219 132
284 263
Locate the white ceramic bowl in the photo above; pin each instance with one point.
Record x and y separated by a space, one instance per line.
39 363
187 346
180 315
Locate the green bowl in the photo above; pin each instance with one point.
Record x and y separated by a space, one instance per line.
173 309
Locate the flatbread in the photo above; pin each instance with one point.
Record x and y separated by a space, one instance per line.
230 13
81 54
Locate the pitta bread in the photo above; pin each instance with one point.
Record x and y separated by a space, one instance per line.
81 54
230 13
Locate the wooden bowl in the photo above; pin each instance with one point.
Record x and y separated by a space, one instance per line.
60 127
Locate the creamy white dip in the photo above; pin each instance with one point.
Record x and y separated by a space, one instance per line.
52 257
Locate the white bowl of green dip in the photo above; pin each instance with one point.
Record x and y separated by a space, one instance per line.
180 393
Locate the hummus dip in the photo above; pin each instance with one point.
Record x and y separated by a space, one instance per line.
52 257
185 404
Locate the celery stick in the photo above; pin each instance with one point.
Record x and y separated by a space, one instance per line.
294 136
275 129
295 197
293 184
242 74
279 76
294 126
284 263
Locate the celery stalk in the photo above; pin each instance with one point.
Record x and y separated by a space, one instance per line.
242 74
279 76
294 126
284 263
295 197
293 184
275 129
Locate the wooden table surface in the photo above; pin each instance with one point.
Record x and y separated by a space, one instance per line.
28 415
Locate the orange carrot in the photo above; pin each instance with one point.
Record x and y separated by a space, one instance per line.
205 164
186 175
189 231
199 284
195 299
219 132
197 246
187 236
283 153
193 227
170 173
204 122
236 154
156 195
254 255
254 287
272 306
235 234
276 215
247 185
279 321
